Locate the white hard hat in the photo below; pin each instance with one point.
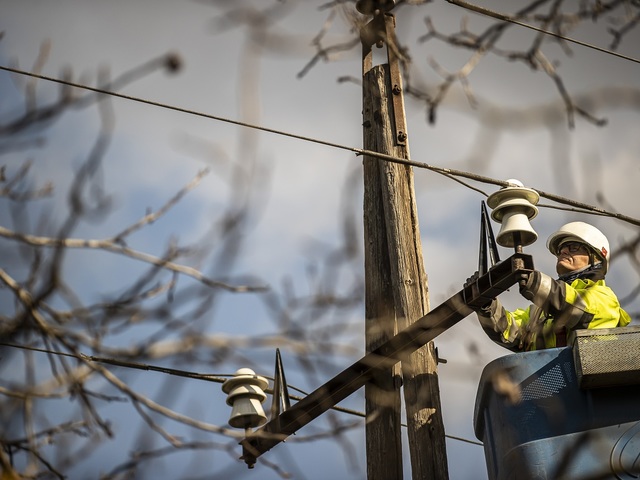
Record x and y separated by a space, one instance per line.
583 233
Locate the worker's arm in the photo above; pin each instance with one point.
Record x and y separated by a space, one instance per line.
583 304
503 327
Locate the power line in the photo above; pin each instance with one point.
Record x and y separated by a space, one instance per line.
448 172
510 19
359 152
208 377
217 378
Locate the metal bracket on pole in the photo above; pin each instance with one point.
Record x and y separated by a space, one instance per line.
474 295
486 237
378 31
280 401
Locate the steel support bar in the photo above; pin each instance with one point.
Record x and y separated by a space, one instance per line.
475 294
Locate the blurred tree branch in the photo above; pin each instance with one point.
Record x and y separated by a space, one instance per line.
57 412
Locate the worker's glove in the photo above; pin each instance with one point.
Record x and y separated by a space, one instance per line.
470 283
471 280
485 315
526 285
536 288
493 321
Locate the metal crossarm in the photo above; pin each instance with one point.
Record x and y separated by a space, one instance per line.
474 295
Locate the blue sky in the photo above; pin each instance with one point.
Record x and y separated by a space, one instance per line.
299 184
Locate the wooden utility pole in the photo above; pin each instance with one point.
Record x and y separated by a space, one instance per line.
396 283
382 394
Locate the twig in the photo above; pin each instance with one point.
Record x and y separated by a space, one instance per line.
110 246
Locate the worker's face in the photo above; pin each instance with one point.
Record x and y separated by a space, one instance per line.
572 256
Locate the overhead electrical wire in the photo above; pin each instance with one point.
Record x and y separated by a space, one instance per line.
508 18
358 151
217 378
448 172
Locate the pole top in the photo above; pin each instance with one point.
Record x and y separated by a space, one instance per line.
370 7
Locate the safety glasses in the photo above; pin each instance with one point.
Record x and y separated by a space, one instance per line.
573 247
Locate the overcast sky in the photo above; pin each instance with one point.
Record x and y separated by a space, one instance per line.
155 151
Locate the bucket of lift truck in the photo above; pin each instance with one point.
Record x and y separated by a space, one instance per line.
538 419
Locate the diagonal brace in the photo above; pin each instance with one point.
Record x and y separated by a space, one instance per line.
473 296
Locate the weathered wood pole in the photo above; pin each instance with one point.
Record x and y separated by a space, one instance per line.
396 286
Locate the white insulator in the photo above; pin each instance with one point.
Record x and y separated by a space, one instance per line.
514 182
245 395
514 206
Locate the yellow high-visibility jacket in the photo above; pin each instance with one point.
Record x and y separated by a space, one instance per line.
558 308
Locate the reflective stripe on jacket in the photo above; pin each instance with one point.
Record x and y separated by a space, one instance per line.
558 308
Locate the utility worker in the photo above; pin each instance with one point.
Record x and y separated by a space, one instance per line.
578 299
